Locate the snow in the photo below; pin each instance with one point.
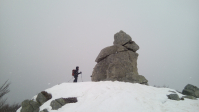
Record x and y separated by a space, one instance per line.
117 96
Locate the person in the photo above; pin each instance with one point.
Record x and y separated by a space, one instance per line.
76 73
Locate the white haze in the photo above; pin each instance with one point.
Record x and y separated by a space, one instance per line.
42 41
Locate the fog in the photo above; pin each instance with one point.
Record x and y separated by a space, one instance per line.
42 41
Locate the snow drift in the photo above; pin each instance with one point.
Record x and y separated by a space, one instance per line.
117 96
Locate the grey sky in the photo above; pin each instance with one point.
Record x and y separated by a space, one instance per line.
42 41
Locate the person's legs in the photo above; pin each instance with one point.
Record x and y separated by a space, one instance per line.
75 79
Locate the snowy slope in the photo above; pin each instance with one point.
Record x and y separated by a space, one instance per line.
117 97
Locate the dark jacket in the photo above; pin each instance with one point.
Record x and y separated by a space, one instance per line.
76 73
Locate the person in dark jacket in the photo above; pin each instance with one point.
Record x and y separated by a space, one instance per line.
76 74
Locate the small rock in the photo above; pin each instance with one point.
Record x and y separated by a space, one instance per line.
47 95
172 91
61 101
70 100
190 97
55 105
45 110
173 97
41 98
181 98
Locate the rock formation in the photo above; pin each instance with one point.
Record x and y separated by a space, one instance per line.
58 103
119 61
30 106
173 97
43 97
33 106
191 90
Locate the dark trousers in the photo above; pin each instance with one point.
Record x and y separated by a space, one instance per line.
75 79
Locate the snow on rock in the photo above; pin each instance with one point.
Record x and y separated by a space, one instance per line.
117 96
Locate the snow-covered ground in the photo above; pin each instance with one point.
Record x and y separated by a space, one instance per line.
117 97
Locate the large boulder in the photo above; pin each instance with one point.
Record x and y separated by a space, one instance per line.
99 71
191 90
30 106
118 62
58 103
122 63
43 97
108 51
132 46
121 38
173 97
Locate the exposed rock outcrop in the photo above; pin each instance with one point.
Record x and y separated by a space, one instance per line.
173 97
191 90
119 61
43 97
33 106
58 103
30 106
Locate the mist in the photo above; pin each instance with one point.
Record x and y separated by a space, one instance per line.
42 41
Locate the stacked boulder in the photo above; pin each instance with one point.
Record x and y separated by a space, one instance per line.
119 61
